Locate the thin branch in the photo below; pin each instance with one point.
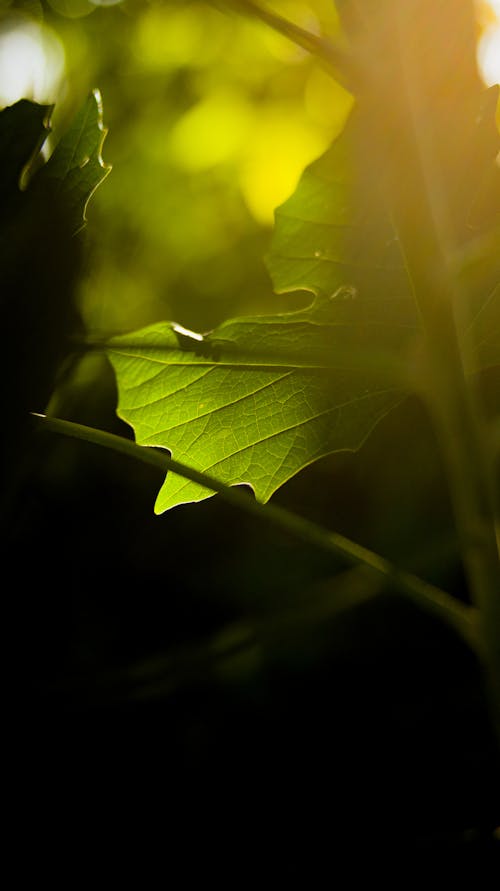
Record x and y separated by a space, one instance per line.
335 58
430 598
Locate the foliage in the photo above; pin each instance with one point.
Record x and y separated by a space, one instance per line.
394 230
257 399
249 424
53 200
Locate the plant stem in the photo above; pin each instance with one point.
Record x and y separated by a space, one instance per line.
429 597
334 57
420 205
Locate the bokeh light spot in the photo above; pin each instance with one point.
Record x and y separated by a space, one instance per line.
489 55
210 133
31 63
282 145
168 38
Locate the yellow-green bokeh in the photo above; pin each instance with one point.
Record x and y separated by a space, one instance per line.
212 117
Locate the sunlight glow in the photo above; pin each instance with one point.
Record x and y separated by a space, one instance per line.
488 52
31 63
489 55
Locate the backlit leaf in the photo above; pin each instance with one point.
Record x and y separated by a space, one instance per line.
261 397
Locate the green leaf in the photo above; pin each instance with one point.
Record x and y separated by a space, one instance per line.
76 168
259 398
73 172
332 232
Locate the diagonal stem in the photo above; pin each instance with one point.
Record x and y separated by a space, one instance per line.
425 595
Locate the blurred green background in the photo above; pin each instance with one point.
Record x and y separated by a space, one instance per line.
212 118
211 645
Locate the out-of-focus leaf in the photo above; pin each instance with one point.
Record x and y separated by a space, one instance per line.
480 267
332 232
40 259
76 168
431 137
335 231
23 130
483 335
